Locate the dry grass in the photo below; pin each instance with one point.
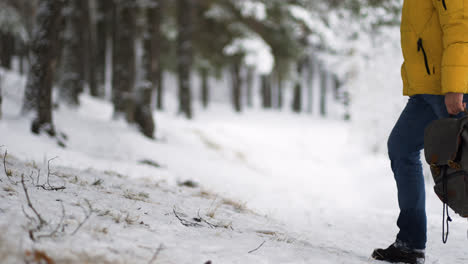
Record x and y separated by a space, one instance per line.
136 196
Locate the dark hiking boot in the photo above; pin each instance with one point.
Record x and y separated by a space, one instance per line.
399 254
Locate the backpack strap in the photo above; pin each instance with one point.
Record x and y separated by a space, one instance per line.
446 219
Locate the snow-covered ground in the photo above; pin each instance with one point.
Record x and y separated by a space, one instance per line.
302 184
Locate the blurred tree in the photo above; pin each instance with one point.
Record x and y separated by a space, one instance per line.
147 69
209 52
7 49
123 59
250 85
44 53
237 81
297 95
185 55
88 35
266 91
103 41
153 39
310 63
73 63
323 90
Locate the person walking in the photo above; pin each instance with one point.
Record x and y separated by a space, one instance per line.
434 42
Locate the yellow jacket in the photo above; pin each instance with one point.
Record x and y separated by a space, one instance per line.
434 40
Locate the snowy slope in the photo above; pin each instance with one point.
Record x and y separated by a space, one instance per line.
299 183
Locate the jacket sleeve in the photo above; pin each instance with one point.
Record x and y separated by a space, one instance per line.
454 22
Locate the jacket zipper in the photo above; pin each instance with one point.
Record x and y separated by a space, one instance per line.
421 48
443 3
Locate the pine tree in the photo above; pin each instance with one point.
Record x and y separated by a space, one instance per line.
88 36
310 65
123 58
7 49
184 55
145 86
205 86
236 85
103 40
44 53
249 85
73 63
297 93
266 91
323 90
153 38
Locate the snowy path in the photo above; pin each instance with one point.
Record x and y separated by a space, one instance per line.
334 201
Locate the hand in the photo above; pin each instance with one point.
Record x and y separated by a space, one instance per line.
454 103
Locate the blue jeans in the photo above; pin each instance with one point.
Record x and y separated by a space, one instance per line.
404 146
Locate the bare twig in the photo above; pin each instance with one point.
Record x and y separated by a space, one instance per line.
31 178
48 169
30 218
57 228
42 222
206 222
46 186
155 256
38 176
253 250
185 222
51 188
87 216
8 172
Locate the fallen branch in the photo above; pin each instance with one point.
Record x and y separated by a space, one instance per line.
155 256
253 250
185 222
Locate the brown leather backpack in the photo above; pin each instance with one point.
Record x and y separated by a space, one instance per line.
446 151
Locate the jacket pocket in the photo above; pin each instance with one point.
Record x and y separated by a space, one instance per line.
447 7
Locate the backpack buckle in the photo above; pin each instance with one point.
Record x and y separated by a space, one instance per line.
435 169
454 165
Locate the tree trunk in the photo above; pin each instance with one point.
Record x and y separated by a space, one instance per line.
22 53
250 80
1 95
205 87
160 90
123 58
73 59
297 97
236 86
153 48
146 82
7 49
266 92
88 32
44 52
310 84
280 90
184 55
323 91
347 104
103 35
